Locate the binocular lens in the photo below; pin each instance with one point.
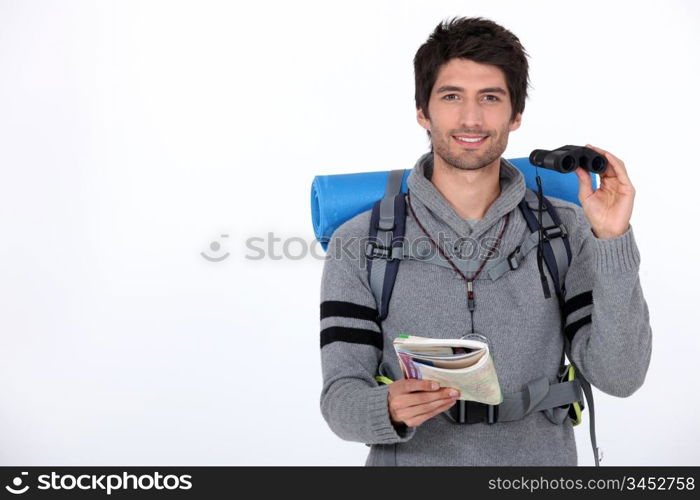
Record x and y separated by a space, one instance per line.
568 163
598 164
566 158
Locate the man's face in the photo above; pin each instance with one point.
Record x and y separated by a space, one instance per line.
471 100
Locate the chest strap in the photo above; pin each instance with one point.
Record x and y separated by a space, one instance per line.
555 247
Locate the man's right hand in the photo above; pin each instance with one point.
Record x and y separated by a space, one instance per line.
413 401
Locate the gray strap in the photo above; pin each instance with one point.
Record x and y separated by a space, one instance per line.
393 184
561 257
556 415
494 269
386 206
536 391
376 280
384 232
532 199
407 252
597 454
501 266
538 396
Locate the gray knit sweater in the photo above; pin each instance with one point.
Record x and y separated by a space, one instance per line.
611 346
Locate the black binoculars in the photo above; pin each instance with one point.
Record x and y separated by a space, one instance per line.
566 158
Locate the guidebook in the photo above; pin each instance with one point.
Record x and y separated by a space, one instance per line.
465 364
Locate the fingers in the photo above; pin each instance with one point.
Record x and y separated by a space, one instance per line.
618 166
415 401
420 398
411 385
415 415
407 386
585 188
434 408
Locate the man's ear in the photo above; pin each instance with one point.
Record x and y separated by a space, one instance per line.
515 124
422 120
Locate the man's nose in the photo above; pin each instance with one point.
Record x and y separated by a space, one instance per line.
471 115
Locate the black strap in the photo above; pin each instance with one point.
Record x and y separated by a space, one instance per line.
533 225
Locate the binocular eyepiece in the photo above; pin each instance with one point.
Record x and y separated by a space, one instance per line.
566 158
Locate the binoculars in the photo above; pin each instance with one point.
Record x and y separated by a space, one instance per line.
566 158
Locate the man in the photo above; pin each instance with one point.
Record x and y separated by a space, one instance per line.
471 84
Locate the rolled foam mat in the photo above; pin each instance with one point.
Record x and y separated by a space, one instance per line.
336 199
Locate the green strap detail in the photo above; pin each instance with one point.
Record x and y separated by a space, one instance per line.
383 380
577 412
576 407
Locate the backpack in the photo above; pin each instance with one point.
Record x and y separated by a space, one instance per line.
385 251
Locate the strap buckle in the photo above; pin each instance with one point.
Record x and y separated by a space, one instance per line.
373 250
556 231
513 261
472 412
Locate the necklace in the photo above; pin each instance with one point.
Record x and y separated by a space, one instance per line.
471 301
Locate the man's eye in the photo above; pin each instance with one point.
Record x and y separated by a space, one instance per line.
489 97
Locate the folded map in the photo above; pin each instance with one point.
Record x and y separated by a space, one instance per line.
465 364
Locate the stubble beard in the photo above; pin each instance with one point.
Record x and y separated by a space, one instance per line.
466 159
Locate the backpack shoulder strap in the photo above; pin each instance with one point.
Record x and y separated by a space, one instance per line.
387 228
557 255
557 250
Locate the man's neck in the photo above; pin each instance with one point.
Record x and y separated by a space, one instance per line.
469 192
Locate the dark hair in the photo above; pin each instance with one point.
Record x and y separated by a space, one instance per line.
479 40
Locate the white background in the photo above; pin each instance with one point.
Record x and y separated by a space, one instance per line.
134 134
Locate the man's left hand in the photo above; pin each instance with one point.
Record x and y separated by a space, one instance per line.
608 208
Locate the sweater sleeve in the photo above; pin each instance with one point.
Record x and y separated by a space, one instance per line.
353 403
606 316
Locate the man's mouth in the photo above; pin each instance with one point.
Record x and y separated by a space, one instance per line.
470 141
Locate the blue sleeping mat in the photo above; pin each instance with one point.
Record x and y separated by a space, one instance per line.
338 198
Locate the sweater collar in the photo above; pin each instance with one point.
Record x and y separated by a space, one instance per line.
512 192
